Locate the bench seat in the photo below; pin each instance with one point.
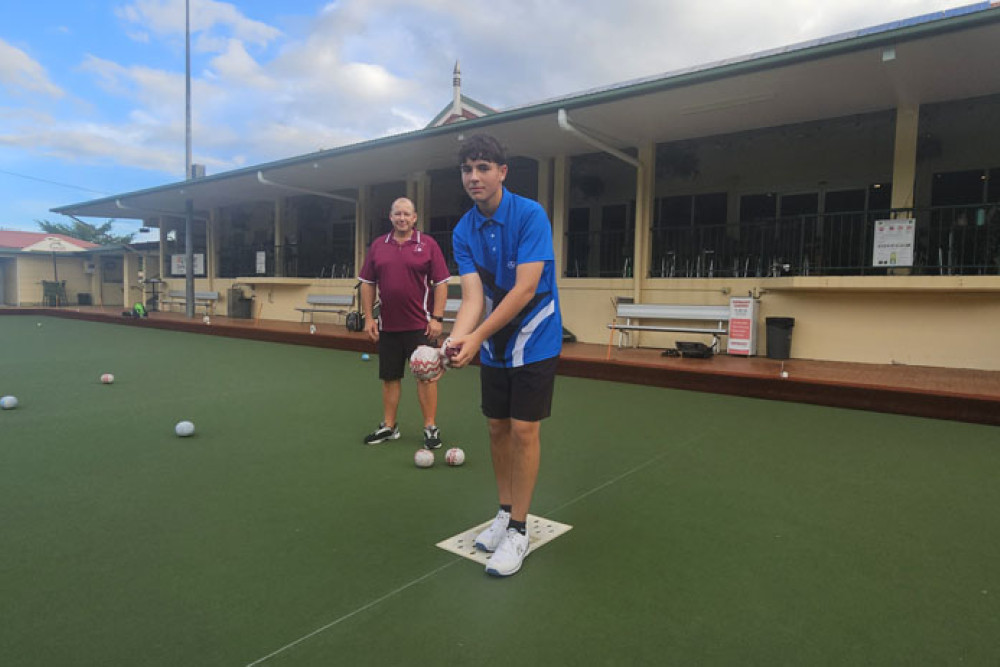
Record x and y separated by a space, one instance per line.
451 307
178 297
338 304
659 317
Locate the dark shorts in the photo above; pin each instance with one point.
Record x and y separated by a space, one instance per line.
394 350
523 393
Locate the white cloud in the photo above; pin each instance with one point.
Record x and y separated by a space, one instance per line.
19 72
207 19
361 69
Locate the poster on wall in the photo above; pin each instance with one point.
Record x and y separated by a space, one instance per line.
261 262
178 268
893 244
742 327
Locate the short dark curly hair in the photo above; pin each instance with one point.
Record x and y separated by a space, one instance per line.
482 147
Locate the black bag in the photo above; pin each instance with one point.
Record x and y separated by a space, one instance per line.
355 321
694 350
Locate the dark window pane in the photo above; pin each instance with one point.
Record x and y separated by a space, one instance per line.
578 242
614 217
711 209
754 208
956 188
880 197
993 194
801 204
579 220
844 201
675 211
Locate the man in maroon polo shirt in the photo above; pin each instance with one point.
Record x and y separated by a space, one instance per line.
408 270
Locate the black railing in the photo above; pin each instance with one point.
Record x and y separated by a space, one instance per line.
296 261
954 240
605 254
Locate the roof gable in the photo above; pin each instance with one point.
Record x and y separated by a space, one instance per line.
42 242
470 109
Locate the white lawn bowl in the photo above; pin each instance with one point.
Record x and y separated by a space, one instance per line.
184 429
424 458
425 363
454 456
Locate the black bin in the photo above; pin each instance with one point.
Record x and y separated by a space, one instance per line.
779 337
83 299
239 305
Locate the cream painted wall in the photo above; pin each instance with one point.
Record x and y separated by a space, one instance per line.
923 328
274 298
32 270
948 322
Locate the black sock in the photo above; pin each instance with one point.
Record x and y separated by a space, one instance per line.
519 526
505 508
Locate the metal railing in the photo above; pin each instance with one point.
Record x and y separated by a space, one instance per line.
296 261
952 240
605 254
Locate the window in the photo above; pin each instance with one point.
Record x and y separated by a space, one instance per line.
844 201
616 241
958 188
685 210
578 243
799 204
757 208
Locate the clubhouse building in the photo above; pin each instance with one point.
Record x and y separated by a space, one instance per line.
851 183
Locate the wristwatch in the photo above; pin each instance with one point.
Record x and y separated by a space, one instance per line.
439 318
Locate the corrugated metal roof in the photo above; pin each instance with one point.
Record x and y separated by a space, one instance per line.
16 240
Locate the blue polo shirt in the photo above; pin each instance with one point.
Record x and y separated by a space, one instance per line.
518 233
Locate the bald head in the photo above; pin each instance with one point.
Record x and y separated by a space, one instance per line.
403 215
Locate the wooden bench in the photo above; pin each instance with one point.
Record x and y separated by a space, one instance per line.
339 304
664 313
451 307
178 297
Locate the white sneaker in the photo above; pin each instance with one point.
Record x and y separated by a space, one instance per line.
507 559
489 539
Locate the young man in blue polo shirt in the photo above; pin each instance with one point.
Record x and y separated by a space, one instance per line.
409 272
510 317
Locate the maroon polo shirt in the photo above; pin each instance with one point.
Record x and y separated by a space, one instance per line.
405 274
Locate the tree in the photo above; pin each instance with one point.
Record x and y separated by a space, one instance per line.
100 235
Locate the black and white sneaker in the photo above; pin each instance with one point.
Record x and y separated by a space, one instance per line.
432 437
381 434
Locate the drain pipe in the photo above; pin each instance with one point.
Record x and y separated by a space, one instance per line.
295 188
562 117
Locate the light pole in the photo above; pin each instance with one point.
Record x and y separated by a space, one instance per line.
188 204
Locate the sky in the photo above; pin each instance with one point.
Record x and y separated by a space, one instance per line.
92 93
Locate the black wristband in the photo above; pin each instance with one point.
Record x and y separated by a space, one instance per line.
439 318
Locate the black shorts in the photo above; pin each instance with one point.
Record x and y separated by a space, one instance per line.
523 393
394 350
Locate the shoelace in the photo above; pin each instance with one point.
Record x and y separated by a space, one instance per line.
511 544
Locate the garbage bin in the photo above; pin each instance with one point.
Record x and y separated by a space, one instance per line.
779 337
83 299
239 305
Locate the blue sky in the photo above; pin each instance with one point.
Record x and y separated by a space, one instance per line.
92 92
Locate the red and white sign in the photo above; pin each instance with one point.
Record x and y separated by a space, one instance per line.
742 327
